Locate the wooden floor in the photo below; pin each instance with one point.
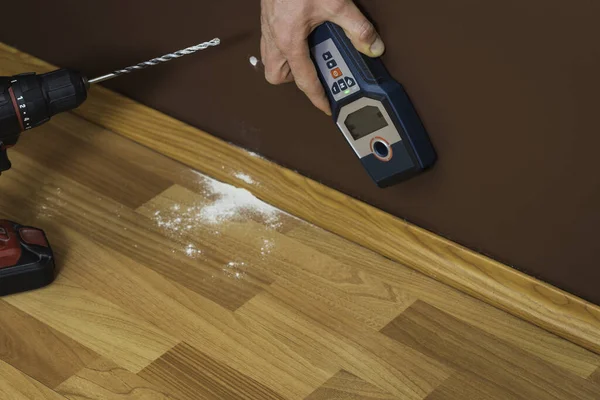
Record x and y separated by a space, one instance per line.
168 290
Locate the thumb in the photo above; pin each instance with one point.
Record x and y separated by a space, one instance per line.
360 30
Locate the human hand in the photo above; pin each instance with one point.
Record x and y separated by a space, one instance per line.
286 25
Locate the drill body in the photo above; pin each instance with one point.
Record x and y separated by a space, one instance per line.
28 101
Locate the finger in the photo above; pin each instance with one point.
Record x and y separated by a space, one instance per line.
305 74
359 29
277 69
263 48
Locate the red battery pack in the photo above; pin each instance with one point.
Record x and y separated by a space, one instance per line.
26 259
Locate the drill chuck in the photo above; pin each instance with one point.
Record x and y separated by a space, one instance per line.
30 100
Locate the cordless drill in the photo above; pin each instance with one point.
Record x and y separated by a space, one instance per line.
26 102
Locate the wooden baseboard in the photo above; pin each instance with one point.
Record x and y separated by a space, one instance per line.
506 288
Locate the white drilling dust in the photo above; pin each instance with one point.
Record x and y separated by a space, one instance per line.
232 203
225 203
244 177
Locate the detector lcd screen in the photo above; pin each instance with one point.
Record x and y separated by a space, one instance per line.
365 121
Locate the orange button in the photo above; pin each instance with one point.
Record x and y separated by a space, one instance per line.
336 73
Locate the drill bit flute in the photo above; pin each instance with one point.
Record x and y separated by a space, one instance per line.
156 61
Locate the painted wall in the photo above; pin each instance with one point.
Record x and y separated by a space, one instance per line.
508 90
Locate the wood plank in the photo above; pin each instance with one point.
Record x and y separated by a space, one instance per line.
193 375
329 337
104 380
513 330
464 385
117 146
345 386
495 283
15 385
96 323
100 169
41 352
465 348
595 377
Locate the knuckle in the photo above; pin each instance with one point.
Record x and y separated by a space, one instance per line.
271 76
306 87
303 86
276 75
366 31
273 79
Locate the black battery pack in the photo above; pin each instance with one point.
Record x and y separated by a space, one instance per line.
26 259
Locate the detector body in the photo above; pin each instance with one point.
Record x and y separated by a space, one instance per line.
371 109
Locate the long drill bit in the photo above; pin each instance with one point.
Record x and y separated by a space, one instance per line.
156 61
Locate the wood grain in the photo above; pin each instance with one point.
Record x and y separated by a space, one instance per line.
513 330
96 323
39 351
118 174
497 284
595 377
15 385
111 223
317 275
187 315
104 380
345 386
328 337
465 385
335 276
152 164
262 309
194 375
440 336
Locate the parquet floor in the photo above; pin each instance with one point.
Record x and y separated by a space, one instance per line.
175 286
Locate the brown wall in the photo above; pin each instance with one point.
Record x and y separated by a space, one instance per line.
508 90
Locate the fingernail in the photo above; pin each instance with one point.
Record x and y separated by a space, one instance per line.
377 48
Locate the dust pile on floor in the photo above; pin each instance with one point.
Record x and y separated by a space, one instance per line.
229 203
221 203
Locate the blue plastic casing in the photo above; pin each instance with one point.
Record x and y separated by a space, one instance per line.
411 155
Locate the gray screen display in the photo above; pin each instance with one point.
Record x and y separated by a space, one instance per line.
365 121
